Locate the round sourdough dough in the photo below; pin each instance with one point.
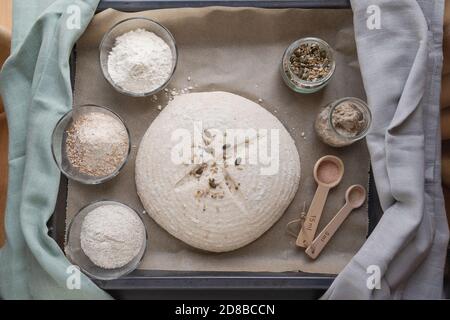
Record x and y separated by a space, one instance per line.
209 203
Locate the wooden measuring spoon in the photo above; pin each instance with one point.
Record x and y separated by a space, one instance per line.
328 172
354 198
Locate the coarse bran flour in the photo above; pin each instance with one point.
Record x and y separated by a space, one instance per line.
97 144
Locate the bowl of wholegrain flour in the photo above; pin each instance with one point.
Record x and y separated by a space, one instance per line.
90 144
138 56
106 239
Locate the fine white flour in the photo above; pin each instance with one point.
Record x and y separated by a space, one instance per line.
140 61
112 235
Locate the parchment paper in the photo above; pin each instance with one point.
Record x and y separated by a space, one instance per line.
237 50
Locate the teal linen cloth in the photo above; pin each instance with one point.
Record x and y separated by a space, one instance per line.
35 87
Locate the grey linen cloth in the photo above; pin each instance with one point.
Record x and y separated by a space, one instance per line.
401 68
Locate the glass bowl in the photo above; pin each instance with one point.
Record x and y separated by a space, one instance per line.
292 80
125 26
77 256
59 137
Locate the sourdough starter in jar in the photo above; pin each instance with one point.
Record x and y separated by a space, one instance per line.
343 122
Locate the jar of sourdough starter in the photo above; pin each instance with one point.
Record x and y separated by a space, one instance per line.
343 122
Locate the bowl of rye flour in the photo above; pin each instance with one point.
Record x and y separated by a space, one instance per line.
106 239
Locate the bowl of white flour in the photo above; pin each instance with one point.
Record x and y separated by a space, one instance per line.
106 239
138 56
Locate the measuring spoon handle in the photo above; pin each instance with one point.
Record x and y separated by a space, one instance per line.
306 235
316 247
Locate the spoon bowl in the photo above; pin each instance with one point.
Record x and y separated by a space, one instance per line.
328 171
355 196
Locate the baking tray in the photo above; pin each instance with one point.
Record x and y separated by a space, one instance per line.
140 5
293 284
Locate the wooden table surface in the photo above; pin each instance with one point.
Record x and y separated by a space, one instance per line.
6 14
5 26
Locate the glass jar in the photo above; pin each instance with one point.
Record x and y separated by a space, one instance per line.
343 122
292 79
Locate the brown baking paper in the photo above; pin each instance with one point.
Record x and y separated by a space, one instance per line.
237 50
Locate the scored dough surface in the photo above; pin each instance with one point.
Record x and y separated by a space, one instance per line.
218 203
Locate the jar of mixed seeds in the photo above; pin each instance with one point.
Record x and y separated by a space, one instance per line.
308 65
343 122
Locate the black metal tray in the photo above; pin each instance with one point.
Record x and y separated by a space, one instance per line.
142 283
140 5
